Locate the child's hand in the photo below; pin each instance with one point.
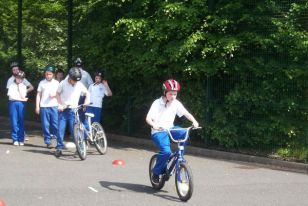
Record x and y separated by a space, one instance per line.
37 110
157 127
105 82
60 107
52 94
195 124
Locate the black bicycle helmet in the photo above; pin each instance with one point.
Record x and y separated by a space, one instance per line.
78 62
50 68
14 64
74 74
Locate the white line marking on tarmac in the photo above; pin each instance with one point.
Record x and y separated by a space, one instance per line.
91 188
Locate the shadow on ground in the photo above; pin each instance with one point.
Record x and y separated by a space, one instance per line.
121 187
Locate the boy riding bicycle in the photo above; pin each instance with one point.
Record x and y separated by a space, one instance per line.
161 115
68 95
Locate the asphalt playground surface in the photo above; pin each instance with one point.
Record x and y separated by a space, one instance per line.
32 175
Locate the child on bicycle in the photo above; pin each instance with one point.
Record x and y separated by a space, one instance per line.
47 104
161 116
68 95
98 90
17 93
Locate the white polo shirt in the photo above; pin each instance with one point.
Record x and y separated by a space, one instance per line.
163 116
11 80
13 92
48 88
97 93
86 78
70 94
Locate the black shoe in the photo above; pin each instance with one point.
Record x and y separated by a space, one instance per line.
58 153
155 179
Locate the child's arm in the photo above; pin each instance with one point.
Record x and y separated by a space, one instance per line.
109 92
60 106
30 88
22 92
87 99
38 100
151 123
191 118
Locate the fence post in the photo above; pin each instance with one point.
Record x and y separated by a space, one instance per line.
128 108
208 97
19 33
69 32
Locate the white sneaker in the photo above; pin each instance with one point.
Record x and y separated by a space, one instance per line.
15 143
21 144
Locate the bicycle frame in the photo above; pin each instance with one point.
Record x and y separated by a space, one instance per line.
178 156
83 128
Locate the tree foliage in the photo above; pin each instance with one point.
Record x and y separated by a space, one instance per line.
242 64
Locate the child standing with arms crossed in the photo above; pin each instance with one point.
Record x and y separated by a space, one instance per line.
17 93
47 104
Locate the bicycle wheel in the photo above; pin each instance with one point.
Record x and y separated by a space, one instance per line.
184 181
99 137
80 141
156 186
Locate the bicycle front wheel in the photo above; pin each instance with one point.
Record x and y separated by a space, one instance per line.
184 181
80 141
99 137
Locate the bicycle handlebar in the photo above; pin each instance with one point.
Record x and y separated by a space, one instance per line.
76 108
186 136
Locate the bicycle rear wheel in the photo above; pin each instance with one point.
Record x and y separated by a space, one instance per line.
80 141
184 181
156 186
99 137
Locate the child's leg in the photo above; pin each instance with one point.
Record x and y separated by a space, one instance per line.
13 120
45 119
61 129
97 113
71 122
162 141
54 118
21 114
81 112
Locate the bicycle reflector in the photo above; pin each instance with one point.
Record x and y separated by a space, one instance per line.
118 162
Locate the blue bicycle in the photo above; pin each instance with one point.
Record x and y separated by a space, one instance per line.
176 163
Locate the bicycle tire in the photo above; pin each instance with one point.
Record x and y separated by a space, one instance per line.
184 182
99 138
80 142
156 186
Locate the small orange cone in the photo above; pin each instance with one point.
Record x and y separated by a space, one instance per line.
2 203
118 162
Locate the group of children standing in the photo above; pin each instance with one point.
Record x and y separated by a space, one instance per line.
55 101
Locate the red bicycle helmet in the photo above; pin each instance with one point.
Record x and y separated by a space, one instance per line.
171 85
